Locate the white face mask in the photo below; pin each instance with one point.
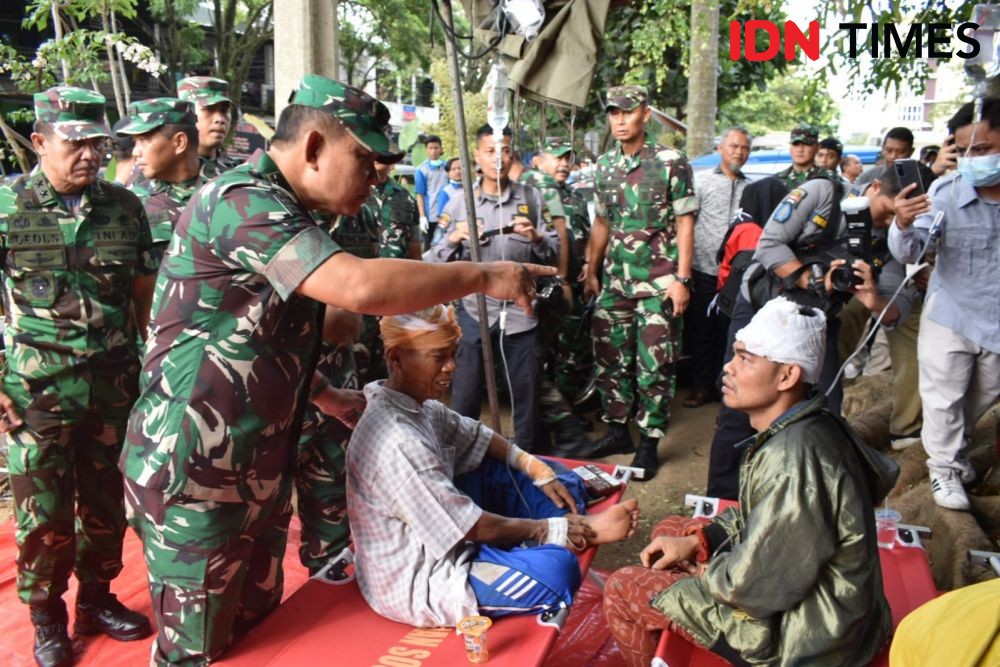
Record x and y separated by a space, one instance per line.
982 171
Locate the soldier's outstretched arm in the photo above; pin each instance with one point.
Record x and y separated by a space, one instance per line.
394 286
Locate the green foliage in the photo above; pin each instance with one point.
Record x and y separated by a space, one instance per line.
380 33
179 41
473 101
890 75
787 101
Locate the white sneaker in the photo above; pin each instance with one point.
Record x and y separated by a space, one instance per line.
948 491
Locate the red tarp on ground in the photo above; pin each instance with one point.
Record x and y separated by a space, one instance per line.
130 586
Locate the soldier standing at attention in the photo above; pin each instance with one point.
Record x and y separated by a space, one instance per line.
230 360
215 118
166 150
643 236
77 279
804 140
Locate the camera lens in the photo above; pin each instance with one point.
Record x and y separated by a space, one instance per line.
842 278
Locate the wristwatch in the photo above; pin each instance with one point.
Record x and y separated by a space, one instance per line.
684 280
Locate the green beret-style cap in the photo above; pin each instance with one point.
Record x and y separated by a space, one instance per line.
626 98
73 113
364 117
204 90
147 115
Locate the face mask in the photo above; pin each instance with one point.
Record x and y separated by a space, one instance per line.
456 184
437 163
982 171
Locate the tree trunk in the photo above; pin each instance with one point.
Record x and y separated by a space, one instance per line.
702 84
58 28
12 139
120 63
112 67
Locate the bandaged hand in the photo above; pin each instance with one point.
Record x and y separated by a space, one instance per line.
537 470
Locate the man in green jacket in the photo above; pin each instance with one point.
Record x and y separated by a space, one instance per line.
792 575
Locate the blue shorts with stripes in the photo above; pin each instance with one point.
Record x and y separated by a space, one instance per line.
525 579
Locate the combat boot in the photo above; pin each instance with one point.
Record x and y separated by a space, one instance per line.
616 441
571 439
646 458
99 611
52 645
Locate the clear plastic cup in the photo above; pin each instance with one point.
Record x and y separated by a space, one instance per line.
473 630
887 527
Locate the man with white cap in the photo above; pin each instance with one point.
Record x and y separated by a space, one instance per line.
792 574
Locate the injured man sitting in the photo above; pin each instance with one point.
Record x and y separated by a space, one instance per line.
449 519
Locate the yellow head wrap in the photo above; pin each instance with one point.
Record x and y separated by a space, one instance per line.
429 329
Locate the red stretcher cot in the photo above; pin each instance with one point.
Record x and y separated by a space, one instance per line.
906 580
325 623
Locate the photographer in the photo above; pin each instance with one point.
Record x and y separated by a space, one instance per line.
514 226
795 258
959 343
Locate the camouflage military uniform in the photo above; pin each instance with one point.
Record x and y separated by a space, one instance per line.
212 439
206 91
635 336
803 134
72 359
400 224
162 200
793 179
360 235
319 474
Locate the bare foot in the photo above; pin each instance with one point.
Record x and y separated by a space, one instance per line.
615 523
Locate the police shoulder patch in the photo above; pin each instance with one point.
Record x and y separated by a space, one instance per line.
784 211
796 195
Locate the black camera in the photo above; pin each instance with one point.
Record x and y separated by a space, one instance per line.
857 212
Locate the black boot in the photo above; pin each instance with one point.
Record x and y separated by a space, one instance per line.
616 441
52 645
646 458
571 439
99 611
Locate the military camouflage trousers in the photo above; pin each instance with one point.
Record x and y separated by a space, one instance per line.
67 489
574 353
320 489
635 351
214 568
70 461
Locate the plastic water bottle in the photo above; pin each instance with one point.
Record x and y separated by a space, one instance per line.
497 109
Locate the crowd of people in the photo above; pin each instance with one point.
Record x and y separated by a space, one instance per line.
192 339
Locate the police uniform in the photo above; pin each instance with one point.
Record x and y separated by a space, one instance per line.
163 200
635 333
72 362
520 339
207 91
211 441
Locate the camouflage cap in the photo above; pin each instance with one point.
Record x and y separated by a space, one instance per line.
626 98
73 113
204 90
147 115
557 146
805 133
364 117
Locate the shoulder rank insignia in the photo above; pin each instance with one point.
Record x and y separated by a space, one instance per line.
819 221
522 208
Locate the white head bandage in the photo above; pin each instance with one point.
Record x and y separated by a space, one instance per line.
788 333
